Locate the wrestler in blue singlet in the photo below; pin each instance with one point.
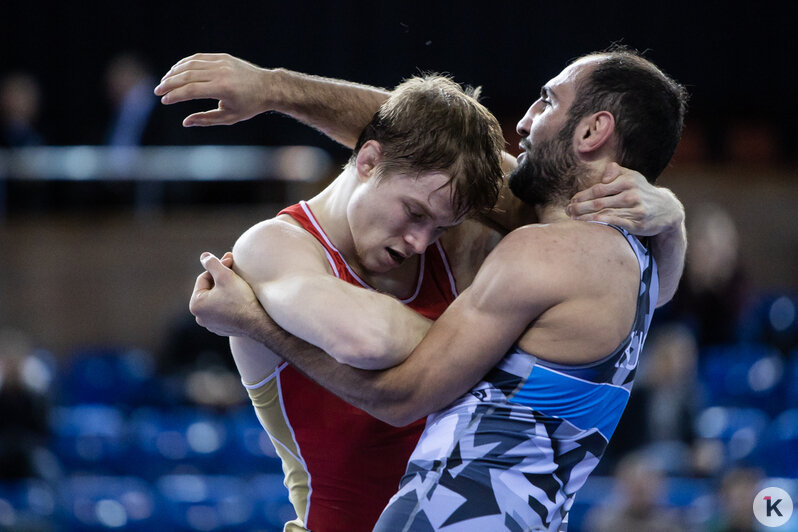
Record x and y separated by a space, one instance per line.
511 453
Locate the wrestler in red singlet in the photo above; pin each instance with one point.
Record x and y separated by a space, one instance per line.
342 465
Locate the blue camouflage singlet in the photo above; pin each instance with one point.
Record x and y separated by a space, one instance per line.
511 453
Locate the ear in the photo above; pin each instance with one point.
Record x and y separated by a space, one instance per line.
367 160
594 132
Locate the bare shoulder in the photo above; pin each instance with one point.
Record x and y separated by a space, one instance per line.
579 239
273 245
569 251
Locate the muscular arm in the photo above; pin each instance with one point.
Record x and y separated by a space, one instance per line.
290 277
465 342
339 109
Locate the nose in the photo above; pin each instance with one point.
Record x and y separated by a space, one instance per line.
419 240
524 125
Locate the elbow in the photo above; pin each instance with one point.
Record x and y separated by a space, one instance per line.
364 353
399 415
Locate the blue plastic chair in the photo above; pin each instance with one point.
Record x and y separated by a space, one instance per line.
90 438
95 503
26 504
777 453
182 440
739 430
118 376
205 502
743 375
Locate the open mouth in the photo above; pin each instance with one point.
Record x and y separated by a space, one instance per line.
397 258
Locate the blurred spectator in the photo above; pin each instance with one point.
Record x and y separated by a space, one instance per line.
636 504
734 509
20 102
24 408
664 401
129 83
714 289
199 363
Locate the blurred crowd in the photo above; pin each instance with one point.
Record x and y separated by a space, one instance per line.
712 419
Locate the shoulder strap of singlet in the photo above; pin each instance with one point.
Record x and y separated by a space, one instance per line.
440 268
434 263
302 214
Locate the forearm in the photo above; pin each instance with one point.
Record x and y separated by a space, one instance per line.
368 390
669 249
252 359
339 109
357 327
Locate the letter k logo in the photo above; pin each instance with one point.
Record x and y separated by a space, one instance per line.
772 506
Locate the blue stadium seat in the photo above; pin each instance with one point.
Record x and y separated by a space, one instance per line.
743 375
118 376
777 453
26 504
205 502
791 381
773 319
186 440
90 438
272 507
250 451
738 429
95 503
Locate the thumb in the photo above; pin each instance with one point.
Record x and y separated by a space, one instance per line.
214 117
212 265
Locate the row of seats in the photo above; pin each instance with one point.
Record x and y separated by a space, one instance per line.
177 502
749 375
149 442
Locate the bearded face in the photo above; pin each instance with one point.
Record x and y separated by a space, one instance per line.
549 170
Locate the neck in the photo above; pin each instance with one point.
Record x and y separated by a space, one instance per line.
330 208
551 213
591 173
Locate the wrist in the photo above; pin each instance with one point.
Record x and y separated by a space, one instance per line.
268 84
675 224
278 87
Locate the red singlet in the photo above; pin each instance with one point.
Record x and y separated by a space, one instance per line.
342 465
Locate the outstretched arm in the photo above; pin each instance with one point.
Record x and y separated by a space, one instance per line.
339 109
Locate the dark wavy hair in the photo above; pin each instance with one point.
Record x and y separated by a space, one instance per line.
648 107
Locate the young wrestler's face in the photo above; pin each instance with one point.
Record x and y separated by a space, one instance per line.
397 216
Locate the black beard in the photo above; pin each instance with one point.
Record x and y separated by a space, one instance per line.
548 173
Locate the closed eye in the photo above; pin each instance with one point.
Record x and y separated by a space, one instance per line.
414 215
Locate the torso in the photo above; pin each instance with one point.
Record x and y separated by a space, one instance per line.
341 464
518 446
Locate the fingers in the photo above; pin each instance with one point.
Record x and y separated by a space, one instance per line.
195 62
202 286
599 190
227 259
625 199
204 282
201 56
611 172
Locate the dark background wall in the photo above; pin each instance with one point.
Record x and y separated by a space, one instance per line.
736 58
83 268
